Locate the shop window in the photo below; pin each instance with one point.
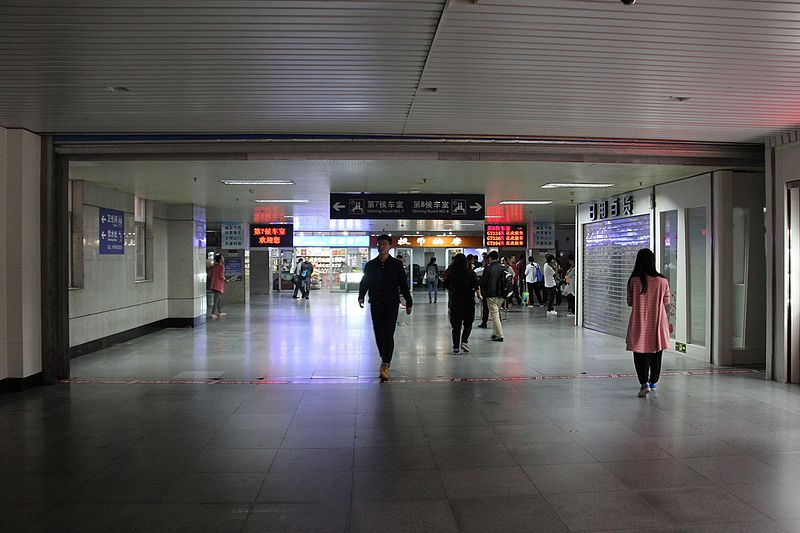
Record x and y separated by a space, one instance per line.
697 242
669 262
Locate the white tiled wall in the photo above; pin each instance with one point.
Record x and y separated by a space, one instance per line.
111 301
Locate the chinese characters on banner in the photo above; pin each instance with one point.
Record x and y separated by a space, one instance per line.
232 236
271 235
434 241
544 235
112 231
498 235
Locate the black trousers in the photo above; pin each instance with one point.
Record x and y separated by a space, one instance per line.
384 321
461 320
537 289
485 311
648 366
550 296
571 303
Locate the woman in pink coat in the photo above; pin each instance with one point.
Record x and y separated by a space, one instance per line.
218 281
648 327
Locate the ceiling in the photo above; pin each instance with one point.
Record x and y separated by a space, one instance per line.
198 182
716 71
574 68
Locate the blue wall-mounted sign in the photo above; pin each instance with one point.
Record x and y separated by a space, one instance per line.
112 231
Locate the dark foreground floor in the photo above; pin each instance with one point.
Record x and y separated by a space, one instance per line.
710 451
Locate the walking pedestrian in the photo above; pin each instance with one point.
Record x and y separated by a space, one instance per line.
492 282
384 279
648 327
432 280
462 286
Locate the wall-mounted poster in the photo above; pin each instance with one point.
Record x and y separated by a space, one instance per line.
232 236
544 235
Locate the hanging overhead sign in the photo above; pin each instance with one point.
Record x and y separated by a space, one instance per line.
434 241
112 231
408 206
499 235
271 235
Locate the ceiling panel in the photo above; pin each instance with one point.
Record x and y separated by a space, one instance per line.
579 68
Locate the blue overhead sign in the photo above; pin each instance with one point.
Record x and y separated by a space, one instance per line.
112 231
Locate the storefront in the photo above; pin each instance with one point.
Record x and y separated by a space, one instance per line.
416 251
611 232
338 261
706 232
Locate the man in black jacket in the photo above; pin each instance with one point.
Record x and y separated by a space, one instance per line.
384 279
492 290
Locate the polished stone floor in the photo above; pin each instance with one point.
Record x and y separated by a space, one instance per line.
157 435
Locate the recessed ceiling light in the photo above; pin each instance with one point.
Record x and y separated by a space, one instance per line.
282 201
568 185
526 202
256 182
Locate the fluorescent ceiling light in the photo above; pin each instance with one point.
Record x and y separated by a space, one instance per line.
282 201
564 185
526 202
493 216
257 182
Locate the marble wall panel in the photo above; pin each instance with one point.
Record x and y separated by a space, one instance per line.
4 225
20 156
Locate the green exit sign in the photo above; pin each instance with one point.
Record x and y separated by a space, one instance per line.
680 347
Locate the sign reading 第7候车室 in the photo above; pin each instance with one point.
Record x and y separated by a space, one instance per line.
271 236
112 231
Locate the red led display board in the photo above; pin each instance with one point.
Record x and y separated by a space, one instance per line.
271 235
508 235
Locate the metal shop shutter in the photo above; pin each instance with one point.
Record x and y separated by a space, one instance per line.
609 252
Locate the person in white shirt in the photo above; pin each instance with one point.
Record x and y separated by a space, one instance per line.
532 281
550 284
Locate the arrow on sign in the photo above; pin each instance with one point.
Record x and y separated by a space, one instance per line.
103 219
337 207
103 235
476 207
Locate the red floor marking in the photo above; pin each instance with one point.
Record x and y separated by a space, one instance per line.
286 381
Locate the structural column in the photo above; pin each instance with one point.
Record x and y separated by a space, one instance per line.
20 273
186 249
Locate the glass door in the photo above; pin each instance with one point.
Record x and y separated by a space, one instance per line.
683 225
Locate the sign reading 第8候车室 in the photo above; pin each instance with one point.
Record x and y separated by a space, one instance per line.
112 231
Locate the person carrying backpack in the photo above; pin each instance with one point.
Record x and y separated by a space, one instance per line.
432 280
